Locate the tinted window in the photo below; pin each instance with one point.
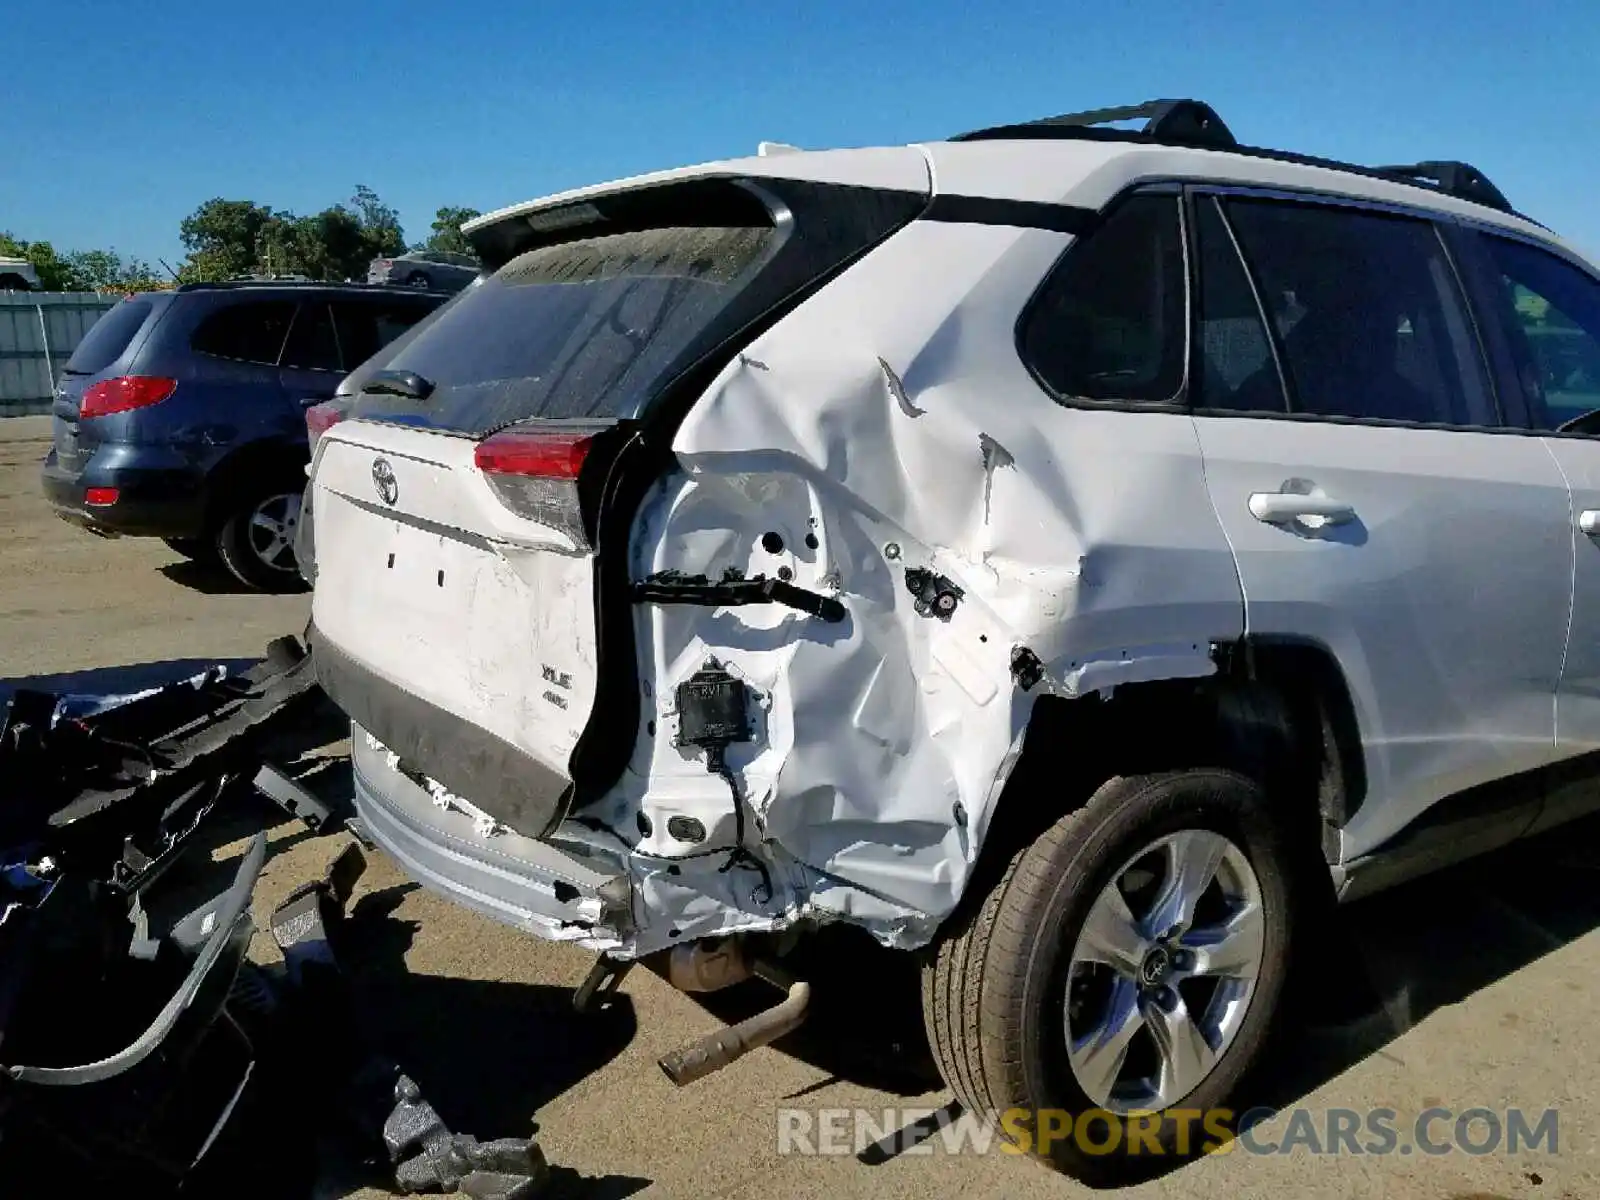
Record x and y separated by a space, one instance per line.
1367 313
366 328
1237 368
109 337
583 328
312 345
1110 322
1554 311
251 331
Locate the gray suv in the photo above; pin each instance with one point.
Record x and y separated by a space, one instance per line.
181 414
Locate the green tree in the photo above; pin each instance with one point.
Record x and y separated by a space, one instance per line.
228 238
380 225
108 271
223 238
446 235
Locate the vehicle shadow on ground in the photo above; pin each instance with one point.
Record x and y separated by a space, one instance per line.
485 1054
207 578
1401 955
1385 964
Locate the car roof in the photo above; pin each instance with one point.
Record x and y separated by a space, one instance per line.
1080 159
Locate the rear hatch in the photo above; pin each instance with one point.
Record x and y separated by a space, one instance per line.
109 343
459 505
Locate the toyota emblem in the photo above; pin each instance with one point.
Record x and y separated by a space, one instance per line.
383 479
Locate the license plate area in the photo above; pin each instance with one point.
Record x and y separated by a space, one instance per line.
497 635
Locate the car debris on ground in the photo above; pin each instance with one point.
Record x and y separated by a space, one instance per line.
137 1043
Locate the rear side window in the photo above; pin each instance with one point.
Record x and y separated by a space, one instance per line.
1367 312
251 332
1554 311
109 337
366 327
1110 323
312 344
583 328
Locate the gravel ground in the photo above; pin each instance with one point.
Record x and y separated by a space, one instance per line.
1485 972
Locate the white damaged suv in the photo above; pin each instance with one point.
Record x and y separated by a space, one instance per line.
1067 552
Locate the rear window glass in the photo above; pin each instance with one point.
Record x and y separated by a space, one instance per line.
109 337
251 332
585 328
1109 323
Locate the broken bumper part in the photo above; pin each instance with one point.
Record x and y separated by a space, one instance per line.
557 893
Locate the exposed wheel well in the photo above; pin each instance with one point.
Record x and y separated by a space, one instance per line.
11 282
1278 711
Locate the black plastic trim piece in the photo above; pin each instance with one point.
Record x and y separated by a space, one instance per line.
503 780
1024 214
1461 180
672 588
1169 122
476 541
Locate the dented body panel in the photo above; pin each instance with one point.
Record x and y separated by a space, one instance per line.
919 444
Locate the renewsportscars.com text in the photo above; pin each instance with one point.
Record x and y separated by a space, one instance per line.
1334 1131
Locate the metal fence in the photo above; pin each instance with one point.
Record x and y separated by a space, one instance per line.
38 333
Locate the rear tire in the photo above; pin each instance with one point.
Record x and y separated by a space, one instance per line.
417 280
1035 1023
256 542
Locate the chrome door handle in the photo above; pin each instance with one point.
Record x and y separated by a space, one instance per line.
1589 521
1278 507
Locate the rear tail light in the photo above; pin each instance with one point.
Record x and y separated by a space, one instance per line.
123 393
535 475
320 418
100 497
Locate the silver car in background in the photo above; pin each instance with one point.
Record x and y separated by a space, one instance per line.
437 269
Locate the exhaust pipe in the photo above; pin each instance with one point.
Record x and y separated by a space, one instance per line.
717 1050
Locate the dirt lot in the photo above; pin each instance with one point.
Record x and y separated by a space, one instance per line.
1488 973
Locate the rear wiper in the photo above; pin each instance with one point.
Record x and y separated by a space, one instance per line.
398 383
674 587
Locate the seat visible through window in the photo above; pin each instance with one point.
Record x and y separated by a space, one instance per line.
1367 313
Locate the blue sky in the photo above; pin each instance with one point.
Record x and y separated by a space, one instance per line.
118 119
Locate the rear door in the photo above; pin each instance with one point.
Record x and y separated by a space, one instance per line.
238 347
311 366
1352 453
1549 310
456 508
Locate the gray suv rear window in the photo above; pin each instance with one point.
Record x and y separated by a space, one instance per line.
583 328
108 338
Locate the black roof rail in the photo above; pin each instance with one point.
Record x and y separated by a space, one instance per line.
1461 180
1177 122
1196 124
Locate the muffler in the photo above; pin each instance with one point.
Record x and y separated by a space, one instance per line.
717 1050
